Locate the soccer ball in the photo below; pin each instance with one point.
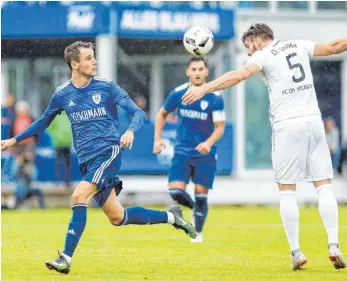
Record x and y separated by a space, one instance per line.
198 40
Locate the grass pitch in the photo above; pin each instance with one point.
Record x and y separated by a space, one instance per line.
240 243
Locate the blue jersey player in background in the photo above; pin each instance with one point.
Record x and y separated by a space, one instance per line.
91 105
200 126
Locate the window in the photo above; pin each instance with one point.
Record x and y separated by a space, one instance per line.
258 128
331 5
292 4
253 4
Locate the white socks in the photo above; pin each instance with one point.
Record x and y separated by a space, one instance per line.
290 217
67 258
170 218
328 210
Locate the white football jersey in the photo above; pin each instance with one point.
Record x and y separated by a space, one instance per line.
286 71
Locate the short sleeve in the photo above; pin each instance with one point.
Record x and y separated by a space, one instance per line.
171 102
218 113
258 58
308 46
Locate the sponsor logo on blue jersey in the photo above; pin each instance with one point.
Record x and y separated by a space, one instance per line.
193 114
88 114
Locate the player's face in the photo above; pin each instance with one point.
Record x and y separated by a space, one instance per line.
252 45
87 63
197 73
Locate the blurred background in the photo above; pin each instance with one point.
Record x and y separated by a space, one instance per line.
139 45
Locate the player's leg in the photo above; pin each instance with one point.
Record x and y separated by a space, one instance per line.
80 199
109 186
204 172
200 211
320 172
289 150
179 175
118 216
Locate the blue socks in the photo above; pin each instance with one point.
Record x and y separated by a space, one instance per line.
182 197
140 215
76 228
200 211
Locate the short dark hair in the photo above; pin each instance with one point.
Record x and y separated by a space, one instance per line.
258 30
194 59
72 51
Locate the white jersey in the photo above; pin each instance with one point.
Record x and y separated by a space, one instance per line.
286 71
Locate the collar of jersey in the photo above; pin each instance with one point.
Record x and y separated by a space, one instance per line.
80 88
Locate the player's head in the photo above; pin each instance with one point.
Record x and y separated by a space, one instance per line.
80 58
257 37
197 71
22 108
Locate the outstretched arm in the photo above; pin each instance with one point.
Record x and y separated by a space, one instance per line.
333 48
227 80
36 127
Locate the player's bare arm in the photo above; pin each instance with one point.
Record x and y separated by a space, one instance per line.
227 80
7 143
160 119
205 147
333 48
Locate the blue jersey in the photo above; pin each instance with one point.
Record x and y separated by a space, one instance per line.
195 121
92 111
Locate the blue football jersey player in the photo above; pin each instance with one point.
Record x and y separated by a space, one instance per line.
200 126
91 105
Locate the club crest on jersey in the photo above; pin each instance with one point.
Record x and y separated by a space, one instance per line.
203 104
96 98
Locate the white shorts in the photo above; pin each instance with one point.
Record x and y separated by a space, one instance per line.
300 151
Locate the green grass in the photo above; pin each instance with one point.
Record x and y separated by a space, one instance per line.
240 243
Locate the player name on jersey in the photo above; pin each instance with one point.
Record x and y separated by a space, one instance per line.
88 114
283 48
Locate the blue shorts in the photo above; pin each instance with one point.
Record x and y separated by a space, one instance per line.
202 170
102 170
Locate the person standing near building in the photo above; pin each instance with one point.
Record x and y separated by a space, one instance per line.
60 131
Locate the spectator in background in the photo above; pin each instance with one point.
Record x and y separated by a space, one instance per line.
343 156
333 139
141 102
22 120
60 131
7 111
25 172
7 115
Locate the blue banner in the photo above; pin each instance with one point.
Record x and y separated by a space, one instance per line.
21 20
172 21
138 160
78 19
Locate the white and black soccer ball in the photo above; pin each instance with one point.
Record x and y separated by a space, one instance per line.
198 40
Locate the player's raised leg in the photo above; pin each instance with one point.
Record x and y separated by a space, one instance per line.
119 216
80 198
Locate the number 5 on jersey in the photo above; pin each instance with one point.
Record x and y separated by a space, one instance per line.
296 65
